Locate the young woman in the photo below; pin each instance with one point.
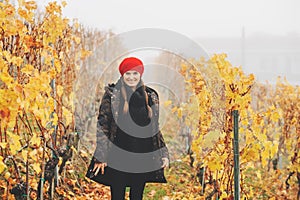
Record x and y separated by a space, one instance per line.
130 147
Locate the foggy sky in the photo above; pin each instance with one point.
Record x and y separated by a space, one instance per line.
212 23
193 18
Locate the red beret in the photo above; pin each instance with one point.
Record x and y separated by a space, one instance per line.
131 63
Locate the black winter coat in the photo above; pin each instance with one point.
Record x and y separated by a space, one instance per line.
132 145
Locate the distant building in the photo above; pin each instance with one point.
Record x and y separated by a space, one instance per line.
266 56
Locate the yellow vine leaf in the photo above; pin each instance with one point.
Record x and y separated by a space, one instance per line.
214 165
2 165
33 183
17 60
273 149
85 53
5 77
64 3
265 156
73 149
35 140
68 115
30 5
36 167
55 119
14 144
27 15
50 104
33 154
167 103
3 145
53 7
52 73
6 175
24 155
210 139
174 109
179 112
60 90
57 65
28 69
77 40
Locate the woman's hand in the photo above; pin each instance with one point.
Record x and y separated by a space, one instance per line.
99 167
165 162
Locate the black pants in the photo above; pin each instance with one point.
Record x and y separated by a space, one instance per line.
135 193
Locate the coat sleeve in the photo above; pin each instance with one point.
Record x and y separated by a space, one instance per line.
103 128
162 146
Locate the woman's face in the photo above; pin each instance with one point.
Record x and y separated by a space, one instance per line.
132 78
